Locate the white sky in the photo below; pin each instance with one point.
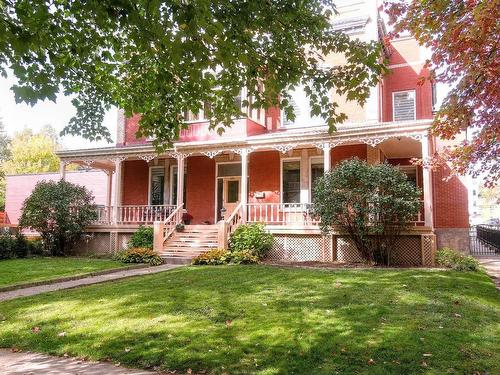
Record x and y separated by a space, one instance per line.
17 116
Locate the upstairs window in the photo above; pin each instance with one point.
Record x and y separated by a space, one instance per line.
403 103
302 110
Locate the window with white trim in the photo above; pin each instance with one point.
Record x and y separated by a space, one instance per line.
291 181
157 186
403 103
301 109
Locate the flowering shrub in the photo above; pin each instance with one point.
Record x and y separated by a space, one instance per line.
139 255
213 257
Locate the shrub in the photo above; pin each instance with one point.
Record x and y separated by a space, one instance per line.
244 257
142 237
252 238
60 212
373 204
139 255
13 246
213 257
450 258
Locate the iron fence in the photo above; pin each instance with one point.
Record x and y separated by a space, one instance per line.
485 240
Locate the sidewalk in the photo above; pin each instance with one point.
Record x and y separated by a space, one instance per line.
30 291
492 266
37 364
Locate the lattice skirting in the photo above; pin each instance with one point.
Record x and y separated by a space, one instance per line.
102 243
414 250
301 248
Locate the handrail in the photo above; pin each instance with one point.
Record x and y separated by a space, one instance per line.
227 226
171 222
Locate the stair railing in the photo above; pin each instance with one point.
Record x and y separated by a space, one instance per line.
164 229
229 225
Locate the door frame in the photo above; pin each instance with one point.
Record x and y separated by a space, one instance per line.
217 180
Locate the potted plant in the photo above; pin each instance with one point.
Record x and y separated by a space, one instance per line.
186 218
179 227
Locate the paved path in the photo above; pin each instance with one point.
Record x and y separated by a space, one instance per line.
85 281
492 266
40 364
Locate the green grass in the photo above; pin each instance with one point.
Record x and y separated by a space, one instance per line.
22 271
264 320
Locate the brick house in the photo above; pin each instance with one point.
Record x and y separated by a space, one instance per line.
263 168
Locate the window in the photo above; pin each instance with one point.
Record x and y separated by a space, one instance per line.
173 186
291 181
403 105
157 186
233 191
201 115
317 171
228 169
302 110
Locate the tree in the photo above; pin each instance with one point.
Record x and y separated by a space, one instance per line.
33 152
60 212
373 204
464 39
160 58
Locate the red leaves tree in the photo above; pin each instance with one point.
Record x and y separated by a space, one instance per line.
464 37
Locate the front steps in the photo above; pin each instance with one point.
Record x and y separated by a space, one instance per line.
182 247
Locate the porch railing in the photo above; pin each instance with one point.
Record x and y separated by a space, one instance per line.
299 214
143 214
296 214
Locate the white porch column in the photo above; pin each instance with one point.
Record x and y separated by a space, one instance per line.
62 170
427 183
244 184
109 186
118 189
327 162
180 179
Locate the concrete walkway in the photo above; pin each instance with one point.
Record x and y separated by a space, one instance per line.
37 364
30 291
492 266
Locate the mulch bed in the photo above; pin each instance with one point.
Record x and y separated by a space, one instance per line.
333 265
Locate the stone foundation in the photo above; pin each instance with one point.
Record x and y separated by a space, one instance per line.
455 238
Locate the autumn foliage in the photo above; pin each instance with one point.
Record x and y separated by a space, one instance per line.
464 38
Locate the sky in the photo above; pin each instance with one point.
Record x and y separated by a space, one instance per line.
17 116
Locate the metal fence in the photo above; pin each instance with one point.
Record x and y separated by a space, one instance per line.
485 240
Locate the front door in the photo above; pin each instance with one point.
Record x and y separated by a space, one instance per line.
230 194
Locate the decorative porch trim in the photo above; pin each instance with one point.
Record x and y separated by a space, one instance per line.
211 154
284 148
147 157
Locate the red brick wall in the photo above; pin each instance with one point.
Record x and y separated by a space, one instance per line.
135 182
131 127
406 78
264 171
200 189
340 153
450 197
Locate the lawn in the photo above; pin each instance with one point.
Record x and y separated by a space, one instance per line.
21 271
265 320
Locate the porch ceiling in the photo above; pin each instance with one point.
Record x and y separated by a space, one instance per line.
401 147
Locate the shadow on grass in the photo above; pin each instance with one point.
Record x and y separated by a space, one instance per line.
265 320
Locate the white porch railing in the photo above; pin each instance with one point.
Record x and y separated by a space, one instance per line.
295 214
163 229
143 214
229 225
